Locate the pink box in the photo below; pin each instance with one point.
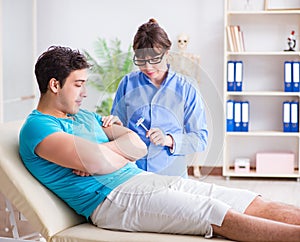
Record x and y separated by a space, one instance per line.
275 163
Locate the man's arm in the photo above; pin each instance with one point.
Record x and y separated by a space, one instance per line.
79 154
125 142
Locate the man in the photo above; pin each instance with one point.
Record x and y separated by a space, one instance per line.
88 161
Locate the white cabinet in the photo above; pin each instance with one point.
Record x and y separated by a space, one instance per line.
17 56
265 37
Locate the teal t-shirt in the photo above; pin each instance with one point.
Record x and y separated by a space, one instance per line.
83 194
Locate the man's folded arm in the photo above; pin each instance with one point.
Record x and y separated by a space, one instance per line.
125 142
79 154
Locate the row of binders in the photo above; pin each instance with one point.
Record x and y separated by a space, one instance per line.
290 116
291 76
234 76
237 116
235 38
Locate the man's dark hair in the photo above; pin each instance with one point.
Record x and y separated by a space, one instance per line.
58 62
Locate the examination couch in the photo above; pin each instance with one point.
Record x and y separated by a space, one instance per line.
49 215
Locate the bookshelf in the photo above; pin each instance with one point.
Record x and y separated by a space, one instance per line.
265 36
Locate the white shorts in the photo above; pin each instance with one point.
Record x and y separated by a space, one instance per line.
152 203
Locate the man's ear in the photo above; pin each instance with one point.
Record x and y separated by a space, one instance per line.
53 85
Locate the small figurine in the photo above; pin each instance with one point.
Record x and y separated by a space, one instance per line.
182 42
291 41
183 61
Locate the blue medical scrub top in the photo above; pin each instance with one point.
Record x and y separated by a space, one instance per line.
175 107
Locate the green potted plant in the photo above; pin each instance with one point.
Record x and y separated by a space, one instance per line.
109 66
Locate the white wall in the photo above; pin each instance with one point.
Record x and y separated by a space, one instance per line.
16 51
78 23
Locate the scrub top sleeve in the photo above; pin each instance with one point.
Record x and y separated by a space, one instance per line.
172 150
194 139
176 143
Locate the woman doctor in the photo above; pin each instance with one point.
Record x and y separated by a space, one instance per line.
160 105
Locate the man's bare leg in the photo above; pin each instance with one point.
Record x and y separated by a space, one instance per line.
243 227
274 211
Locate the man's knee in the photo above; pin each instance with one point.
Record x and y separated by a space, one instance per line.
257 206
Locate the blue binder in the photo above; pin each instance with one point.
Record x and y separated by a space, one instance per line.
286 116
296 76
245 116
294 116
238 76
230 116
230 75
237 116
288 76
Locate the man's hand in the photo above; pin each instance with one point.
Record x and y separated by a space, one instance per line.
158 137
81 173
110 120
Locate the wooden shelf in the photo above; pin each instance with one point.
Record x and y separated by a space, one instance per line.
265 12
264 53
232 173
264 133
263 85
264 93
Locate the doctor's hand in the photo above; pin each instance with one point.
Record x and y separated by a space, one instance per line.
158 137
110 120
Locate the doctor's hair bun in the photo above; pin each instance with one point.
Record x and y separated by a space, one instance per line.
150 37
152 21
